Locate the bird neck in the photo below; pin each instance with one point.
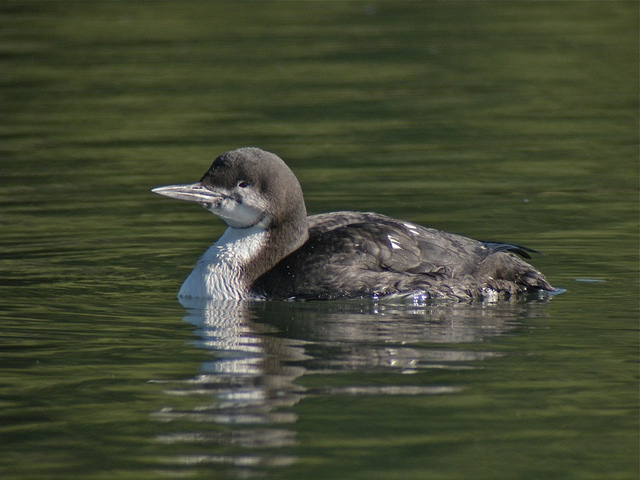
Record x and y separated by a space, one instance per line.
281 240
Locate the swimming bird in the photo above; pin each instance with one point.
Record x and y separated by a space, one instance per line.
273 250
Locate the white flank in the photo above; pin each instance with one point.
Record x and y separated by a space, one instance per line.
218 273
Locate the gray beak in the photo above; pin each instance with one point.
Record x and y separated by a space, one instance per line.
194 192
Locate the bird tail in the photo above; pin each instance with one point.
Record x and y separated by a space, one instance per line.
503 270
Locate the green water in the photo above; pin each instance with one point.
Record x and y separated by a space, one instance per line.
513 121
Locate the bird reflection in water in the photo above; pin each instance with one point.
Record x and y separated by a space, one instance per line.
261 349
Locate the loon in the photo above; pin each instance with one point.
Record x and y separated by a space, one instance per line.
273 250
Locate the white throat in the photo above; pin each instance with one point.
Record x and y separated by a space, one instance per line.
219 272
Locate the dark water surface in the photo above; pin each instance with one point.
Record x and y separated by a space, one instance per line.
513 121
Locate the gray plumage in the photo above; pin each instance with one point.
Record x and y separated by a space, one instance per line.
349 254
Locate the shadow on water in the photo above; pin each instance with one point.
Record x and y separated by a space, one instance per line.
262 350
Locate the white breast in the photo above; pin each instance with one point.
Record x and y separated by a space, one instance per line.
219 274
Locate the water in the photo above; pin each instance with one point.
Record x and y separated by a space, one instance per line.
502 121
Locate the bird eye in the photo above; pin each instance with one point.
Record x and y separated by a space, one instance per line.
243 184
